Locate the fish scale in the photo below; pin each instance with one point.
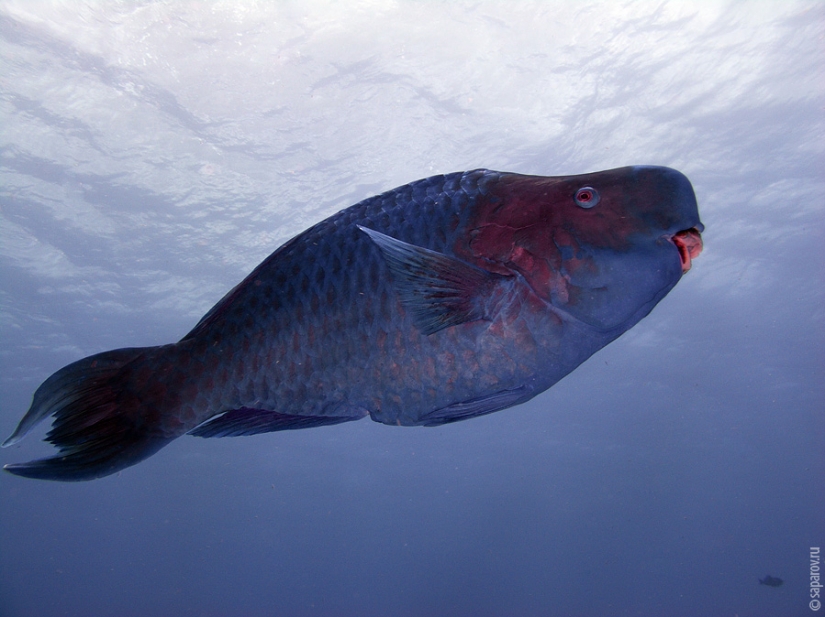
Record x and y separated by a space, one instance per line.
303 381
441 300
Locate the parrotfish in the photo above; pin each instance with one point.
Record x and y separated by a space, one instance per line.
445 299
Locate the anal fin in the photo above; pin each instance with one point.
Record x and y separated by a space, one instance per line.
247 421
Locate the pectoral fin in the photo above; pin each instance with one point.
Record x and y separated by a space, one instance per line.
439 291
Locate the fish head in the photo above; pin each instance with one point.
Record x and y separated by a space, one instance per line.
602 248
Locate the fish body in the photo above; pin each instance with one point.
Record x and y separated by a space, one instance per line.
444 299
771 581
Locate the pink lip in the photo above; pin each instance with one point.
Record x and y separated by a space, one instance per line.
689 243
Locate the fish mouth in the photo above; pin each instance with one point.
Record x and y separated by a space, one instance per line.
689 243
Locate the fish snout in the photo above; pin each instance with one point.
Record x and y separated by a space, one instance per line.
689 243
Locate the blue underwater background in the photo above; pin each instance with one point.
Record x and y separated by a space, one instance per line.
154 152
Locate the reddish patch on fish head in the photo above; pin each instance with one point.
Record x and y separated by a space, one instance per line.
533 225
549 228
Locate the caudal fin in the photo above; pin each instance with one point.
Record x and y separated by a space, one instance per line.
98 426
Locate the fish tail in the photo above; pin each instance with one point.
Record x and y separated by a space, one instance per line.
99 427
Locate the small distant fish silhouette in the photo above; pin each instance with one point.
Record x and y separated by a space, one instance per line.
445 299
771 581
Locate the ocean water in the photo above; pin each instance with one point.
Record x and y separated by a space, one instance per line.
154 152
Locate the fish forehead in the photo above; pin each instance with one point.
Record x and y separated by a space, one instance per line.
539 210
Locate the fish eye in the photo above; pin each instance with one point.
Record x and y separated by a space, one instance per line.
587 197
